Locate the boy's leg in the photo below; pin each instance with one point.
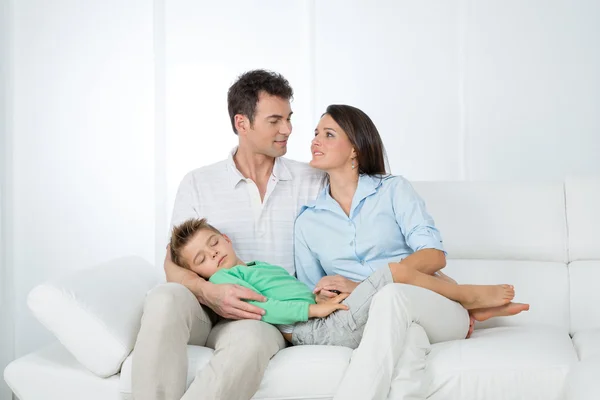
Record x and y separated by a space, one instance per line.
470 296
344 327
243 350
172 318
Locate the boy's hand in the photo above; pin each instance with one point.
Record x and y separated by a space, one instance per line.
322 310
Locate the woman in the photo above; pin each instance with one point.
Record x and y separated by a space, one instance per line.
364 221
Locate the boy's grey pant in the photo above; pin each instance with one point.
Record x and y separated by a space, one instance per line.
344 327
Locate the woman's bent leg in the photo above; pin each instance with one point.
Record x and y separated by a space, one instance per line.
393 310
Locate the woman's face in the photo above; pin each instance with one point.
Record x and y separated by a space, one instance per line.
331 149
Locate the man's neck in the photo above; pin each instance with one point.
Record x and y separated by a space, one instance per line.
257 167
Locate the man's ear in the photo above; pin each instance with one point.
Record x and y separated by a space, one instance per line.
241 123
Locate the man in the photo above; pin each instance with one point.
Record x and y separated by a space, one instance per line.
254 197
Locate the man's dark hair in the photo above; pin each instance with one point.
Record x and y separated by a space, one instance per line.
242 96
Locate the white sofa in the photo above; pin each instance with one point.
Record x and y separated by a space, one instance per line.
543 238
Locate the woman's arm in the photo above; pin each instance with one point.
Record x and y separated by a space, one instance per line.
308 267
418 229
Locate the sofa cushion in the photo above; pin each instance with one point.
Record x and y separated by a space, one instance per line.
587 344
544 285
500 220
52 373
95 313
502 363
583 216
584 277
582 381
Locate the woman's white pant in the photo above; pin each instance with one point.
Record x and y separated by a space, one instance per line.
403 320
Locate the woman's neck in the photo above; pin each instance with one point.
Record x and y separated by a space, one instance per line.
342 186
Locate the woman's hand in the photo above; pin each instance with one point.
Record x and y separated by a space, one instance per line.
336 282
322 310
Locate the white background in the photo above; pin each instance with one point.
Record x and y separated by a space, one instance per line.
107 104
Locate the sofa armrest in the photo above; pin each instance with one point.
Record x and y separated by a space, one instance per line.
95 313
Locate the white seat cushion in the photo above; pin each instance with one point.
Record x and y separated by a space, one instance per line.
52 373
502 363
582 381
587 344
303 372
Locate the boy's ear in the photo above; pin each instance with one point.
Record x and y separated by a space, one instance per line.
226 238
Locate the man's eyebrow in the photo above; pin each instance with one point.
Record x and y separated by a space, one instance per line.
279 116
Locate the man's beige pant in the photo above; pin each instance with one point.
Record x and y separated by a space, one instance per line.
172 319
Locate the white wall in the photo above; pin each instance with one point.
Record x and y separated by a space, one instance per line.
113 102
83 141
6 281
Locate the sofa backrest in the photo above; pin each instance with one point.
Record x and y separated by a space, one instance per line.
501 221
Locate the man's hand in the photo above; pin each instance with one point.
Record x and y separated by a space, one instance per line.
336 282
228 301
322 310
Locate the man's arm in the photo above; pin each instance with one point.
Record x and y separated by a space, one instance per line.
225 300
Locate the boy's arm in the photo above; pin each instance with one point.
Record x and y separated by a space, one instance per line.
276 311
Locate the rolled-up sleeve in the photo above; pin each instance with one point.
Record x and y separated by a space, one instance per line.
308 267
416 224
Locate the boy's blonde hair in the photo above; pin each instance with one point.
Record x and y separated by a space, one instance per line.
183 233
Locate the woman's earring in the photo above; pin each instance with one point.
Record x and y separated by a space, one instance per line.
352 163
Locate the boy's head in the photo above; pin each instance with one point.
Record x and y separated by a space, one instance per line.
200 247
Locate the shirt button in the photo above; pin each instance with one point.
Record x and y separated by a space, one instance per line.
351 242
362 262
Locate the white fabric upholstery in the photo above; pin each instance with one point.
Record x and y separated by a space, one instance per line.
52 373
518 221
95 313
549 301
493 232
585 296
583 216
587 344
502 363
582 382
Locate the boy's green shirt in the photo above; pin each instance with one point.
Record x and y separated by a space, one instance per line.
287 298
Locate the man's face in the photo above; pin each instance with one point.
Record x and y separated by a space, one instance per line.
272 126
207 252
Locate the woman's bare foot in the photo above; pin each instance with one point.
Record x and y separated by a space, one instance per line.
482 314
471 326
486 296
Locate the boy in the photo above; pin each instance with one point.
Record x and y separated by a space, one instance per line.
290 304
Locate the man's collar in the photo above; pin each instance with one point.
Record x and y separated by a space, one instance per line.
281 171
